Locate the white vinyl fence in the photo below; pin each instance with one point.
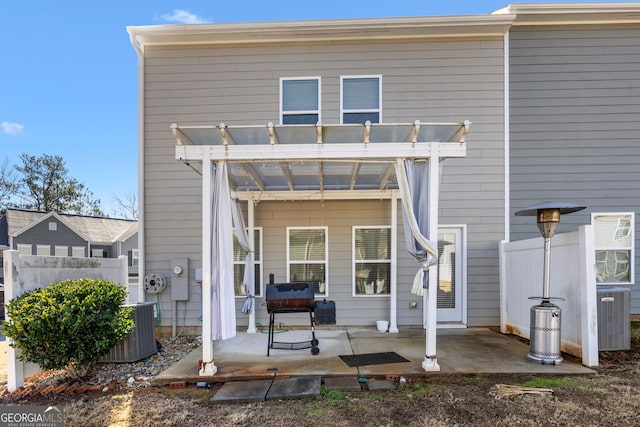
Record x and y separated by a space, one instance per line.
24 273
572 277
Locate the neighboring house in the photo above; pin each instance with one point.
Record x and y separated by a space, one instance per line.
67 235
553 95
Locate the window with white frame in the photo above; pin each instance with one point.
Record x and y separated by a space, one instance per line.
77 251
239 257
97 253
371 260
361 99
24 249
43 250
62 251
614 242
307 255
300 100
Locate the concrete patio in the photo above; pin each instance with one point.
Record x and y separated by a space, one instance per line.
461 351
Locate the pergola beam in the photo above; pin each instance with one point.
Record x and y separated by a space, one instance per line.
319 152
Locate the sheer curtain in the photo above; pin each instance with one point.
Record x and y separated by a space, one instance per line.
413 183
223 316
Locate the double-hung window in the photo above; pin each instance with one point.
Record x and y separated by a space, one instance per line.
300 100
371 260
614 244
361 99
239 258
307 254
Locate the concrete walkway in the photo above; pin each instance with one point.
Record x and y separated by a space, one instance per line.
464 351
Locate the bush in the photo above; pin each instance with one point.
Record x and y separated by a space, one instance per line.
68 325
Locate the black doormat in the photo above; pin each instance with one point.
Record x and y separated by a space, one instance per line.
353 360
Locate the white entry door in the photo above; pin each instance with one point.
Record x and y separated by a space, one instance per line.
451 277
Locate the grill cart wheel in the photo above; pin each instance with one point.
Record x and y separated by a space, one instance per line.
315 351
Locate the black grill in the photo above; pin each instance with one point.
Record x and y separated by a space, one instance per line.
296 297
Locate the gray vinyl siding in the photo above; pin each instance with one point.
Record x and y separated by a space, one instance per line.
575 105
430 80
41 235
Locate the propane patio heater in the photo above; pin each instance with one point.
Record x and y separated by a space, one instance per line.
544 340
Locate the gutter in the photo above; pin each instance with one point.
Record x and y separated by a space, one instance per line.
141 172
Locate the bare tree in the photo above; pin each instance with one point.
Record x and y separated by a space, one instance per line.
127 206
9 186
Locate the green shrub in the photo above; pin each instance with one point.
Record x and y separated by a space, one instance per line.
68 325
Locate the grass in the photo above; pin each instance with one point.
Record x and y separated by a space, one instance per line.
553 382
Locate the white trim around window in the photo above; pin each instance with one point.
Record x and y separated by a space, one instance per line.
614 236
43 250
307 257
300 100
61 251
371 261
77 251
25 248
359 100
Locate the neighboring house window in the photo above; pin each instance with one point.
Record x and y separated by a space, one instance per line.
133 256
77 251
53 226
300 100
25 249
61 250
43 250
307 254
614 241
361 99
97 253
371 260
239 257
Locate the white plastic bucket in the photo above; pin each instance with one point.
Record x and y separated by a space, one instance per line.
382 325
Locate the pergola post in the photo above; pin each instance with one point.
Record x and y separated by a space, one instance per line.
431 362
208 367
393 323
251 328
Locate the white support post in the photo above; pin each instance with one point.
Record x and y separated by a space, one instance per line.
393 323
251 328
431 362
208 367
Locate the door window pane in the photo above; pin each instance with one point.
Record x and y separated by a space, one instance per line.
239 256
614 241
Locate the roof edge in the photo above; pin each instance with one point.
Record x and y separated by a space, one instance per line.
565 13
322 30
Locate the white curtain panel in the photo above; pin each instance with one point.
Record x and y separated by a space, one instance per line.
223 313
242 235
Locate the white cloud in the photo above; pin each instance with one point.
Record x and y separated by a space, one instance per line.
183 17
13 129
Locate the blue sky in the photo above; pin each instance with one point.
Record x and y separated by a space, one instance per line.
69 73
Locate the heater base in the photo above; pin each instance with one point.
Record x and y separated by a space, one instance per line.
544 360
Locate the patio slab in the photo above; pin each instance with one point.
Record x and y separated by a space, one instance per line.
463 351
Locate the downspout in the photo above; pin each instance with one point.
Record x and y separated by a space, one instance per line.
507 130
141 234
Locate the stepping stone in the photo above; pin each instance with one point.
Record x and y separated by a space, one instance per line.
294 388
343 383
242 392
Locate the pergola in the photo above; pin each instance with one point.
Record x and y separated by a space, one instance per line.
307 162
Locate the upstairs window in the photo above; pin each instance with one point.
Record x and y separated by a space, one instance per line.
361 100
307 254
614 241
300 101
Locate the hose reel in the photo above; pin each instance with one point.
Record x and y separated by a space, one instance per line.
154 283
